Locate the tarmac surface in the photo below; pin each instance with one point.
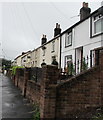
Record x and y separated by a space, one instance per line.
14 105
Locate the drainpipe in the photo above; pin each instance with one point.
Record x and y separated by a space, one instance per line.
60 53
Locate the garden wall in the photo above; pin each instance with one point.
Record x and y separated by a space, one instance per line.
74 98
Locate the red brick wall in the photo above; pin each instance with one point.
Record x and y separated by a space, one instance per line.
79 93
48 92
33 91
29 89
21 83
68 99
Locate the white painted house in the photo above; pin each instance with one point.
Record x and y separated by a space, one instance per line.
79 40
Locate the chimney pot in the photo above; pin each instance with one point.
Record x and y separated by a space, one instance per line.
44 36
43 40
57 30
86 4
83 4
56 25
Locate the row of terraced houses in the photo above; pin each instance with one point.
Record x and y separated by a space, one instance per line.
72 45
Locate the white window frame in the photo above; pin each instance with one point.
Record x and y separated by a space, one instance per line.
68 39
53 46
97 19
43 52
68 58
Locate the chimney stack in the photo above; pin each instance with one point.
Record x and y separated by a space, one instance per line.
57 30
43 40
84 11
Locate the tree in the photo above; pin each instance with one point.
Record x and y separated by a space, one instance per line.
6 64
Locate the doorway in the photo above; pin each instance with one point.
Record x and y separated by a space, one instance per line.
78 59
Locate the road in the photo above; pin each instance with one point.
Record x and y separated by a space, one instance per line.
13 104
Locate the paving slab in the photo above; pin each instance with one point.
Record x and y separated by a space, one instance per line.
14 105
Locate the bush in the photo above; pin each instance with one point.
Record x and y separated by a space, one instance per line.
70 68
84 65
13 69
37 116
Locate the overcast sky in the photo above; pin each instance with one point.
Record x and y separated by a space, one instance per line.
23 23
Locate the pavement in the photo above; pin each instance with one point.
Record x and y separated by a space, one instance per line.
13 104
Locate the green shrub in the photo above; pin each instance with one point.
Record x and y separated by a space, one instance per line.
84 65
13 69
71 70
37 116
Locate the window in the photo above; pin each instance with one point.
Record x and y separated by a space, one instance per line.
44 52
53 46
68 40
28 57
98 24
35 63
68 59
68 65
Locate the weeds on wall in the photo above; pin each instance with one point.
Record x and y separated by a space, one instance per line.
36 112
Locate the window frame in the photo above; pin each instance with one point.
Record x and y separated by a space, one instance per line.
44 52
70 57
99 18
67 40
92 26
53 46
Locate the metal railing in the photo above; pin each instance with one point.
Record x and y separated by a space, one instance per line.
94 59
78 66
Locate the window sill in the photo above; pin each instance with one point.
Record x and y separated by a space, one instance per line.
95 35
68 46
52 51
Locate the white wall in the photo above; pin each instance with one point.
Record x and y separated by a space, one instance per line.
80 37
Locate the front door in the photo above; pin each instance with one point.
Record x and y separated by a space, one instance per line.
78 59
